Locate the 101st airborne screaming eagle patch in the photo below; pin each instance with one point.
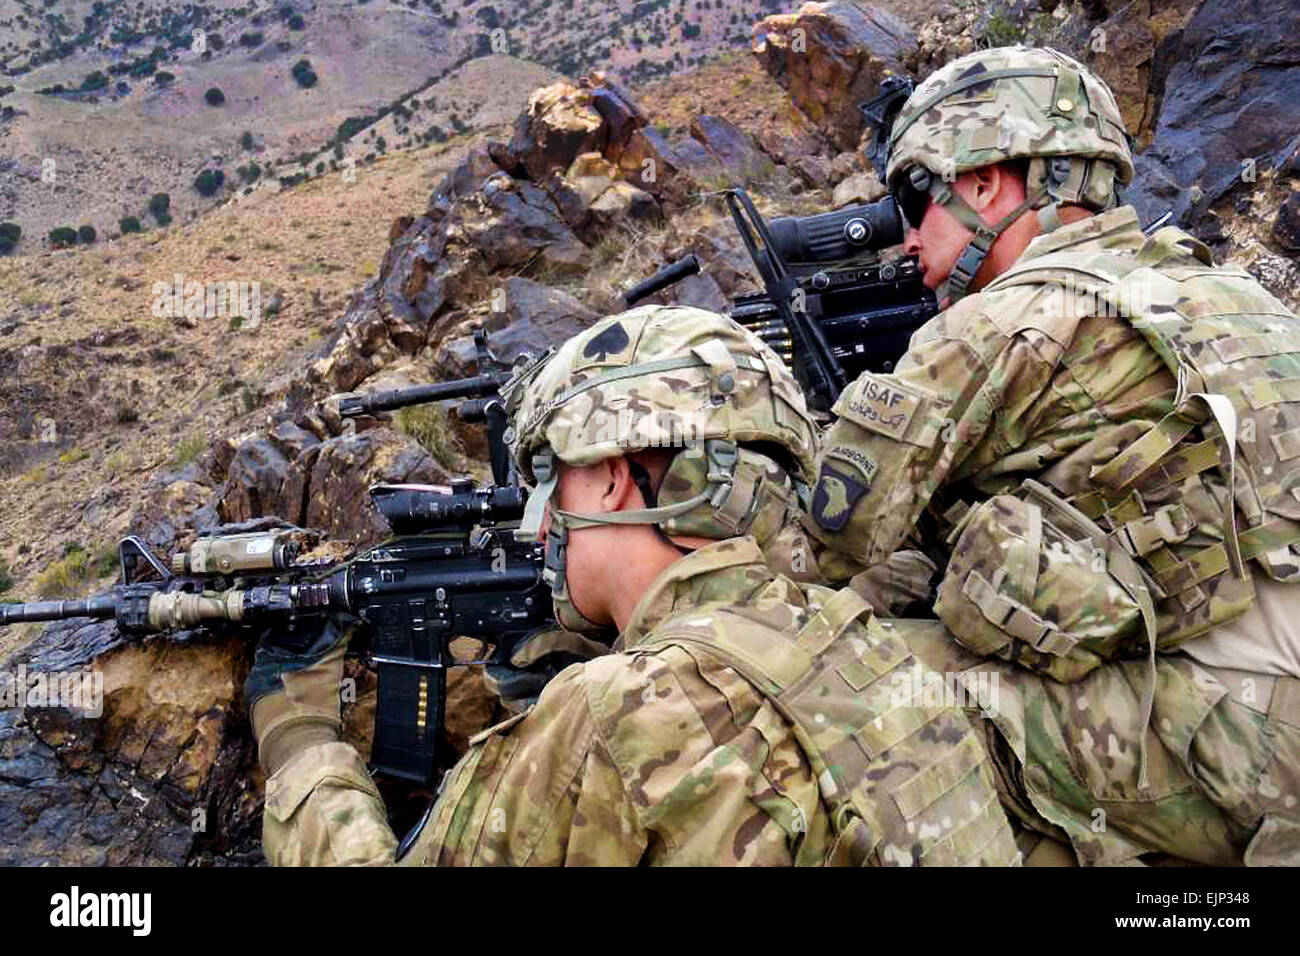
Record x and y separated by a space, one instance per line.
836 495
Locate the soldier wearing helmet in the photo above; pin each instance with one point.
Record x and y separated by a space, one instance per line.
742 718
1099 437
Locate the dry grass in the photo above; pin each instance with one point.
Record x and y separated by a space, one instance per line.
431 428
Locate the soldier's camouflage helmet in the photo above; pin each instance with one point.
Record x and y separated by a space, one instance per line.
1005 104
665 377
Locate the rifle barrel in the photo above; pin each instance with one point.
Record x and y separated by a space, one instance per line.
100 607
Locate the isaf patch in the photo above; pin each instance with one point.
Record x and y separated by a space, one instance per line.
881 405
835 498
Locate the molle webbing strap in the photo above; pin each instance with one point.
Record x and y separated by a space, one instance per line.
1171 241
1175 576
1013 618
816 679
1126 572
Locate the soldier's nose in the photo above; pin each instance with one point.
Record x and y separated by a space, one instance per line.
912 242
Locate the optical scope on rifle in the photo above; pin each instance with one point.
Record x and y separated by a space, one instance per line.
453 569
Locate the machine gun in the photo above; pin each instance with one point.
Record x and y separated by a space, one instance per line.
452 569
829 307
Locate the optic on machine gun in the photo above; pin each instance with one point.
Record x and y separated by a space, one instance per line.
829 307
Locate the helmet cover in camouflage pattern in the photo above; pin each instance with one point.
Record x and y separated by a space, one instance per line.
658 377
1036 103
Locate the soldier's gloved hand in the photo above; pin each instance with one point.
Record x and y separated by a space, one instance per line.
900 586
536 659
293 688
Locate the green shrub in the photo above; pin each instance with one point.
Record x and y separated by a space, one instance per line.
209 181
129 224
6 580
296 22
94 81
251 40
214 96
62 236
86 234
162 77
10 233
246 141
304 74
188 449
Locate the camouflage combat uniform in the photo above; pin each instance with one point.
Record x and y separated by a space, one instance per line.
1107 438
663 753
743 718
1067 758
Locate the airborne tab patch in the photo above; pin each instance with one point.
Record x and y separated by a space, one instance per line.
836 495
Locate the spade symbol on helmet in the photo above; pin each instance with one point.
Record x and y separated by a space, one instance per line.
609 342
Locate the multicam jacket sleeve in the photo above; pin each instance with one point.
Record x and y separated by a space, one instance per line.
1001 386
537 789
619 764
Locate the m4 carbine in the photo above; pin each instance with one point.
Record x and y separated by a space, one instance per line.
452 569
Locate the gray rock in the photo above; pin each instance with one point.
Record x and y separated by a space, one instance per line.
1230 97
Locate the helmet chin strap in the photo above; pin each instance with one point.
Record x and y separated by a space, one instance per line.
722 457
972 257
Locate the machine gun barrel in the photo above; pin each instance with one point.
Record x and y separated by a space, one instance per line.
479 386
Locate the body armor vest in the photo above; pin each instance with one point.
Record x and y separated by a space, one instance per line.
903 777
1216 482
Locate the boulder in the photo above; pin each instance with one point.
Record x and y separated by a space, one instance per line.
591 199
560 122
510 221
1229 108
335 489
732 148
861 187
650 163
620 114
830 57
468 176
813 171
534 319
257 472
1286 227
165 773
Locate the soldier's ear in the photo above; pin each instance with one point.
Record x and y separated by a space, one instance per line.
986 185
621 492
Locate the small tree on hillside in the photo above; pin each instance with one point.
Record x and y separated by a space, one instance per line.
209 181
10 233
86 234
214 96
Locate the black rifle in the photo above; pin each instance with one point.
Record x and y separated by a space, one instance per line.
829 307
452 569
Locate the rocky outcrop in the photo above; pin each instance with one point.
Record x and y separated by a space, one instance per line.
163 771
831 57
1230 108
165 774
